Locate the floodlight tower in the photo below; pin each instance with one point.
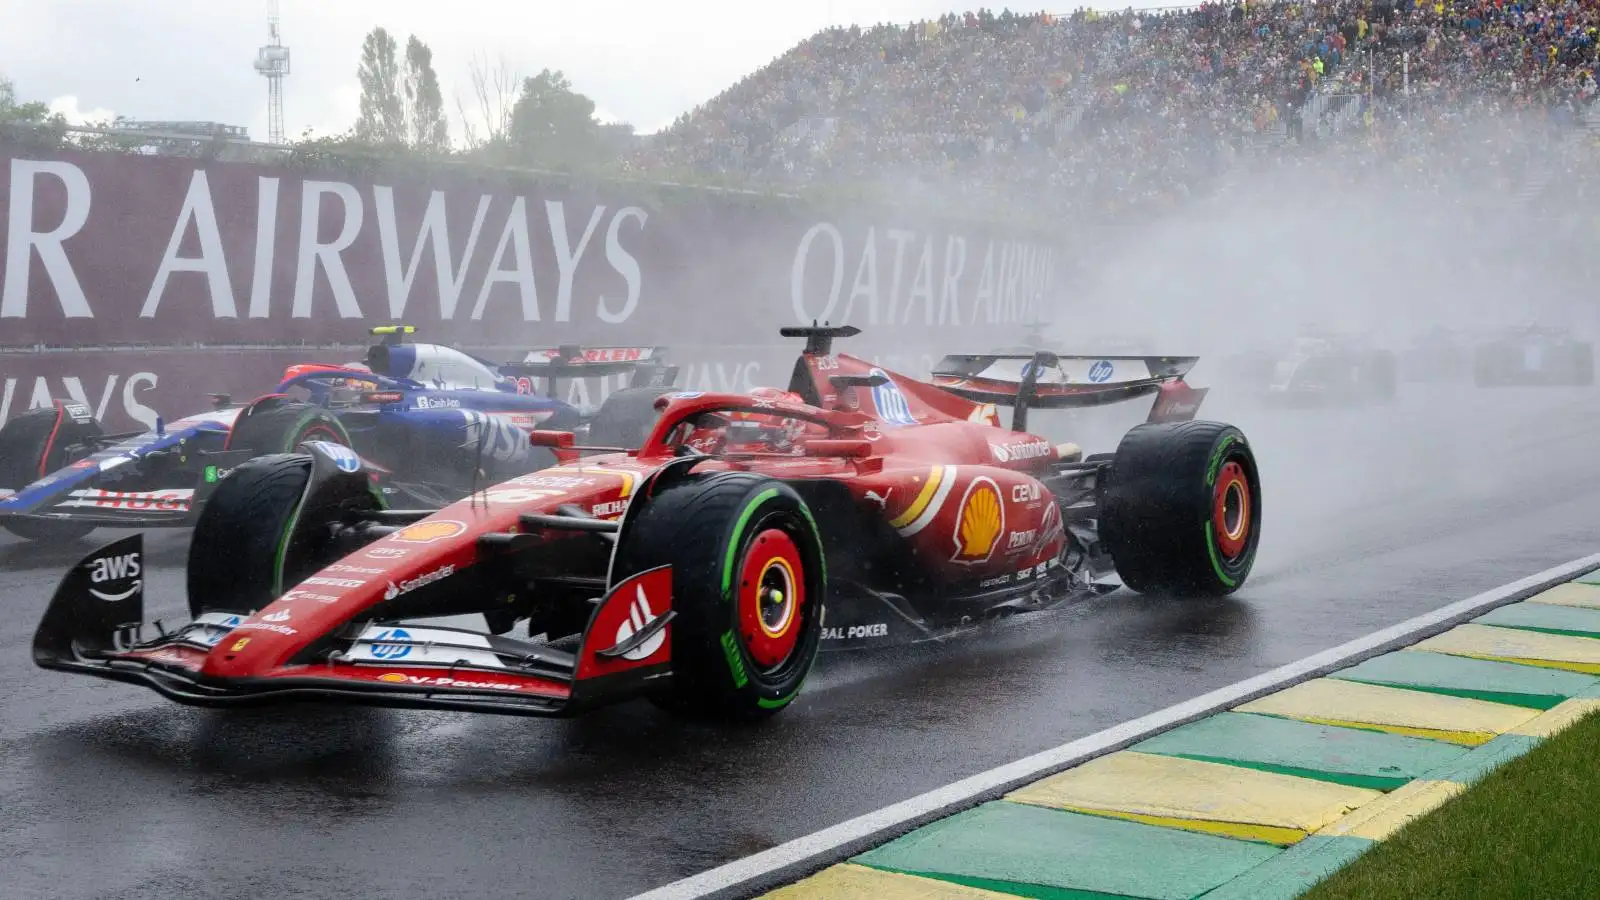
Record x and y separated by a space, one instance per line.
273 62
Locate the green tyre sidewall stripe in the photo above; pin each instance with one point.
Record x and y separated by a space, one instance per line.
1219 456
288 534
316 414
732 651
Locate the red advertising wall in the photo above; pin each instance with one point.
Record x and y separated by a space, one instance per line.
182 259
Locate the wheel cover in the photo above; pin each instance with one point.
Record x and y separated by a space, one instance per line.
1232 510
320 431
770 596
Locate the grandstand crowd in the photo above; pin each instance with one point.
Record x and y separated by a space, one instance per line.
1122 115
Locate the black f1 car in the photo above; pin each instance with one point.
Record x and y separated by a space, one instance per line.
705 569
1534 356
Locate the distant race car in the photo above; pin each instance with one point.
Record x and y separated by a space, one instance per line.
428 421
860 507
1320 370
1533 356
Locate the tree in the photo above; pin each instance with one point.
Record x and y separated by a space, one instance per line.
383 112
494 88
427 127
554 126
14 113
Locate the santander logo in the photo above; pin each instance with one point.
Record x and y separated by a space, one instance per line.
640 615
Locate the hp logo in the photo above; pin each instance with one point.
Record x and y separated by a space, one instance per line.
392 651
1100 371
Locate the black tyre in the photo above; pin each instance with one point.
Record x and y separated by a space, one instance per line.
282 427
627 416
255 537
1181 509
749 586
1488 367
34 444
1583 365
1383 375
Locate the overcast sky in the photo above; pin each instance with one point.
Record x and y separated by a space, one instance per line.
641 61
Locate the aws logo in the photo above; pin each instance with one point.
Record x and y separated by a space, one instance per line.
115 573
980 520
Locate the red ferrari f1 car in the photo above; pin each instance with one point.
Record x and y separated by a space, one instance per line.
704 570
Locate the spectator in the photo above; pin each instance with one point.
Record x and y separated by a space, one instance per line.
1120 115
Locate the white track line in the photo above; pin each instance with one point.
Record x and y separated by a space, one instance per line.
766 869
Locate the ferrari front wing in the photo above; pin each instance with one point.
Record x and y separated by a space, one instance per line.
95 626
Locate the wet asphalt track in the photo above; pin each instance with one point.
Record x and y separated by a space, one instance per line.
1371 517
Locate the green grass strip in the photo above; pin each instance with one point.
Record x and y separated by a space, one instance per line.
1510 698
1014 888
1525 830
1564 632
1371 782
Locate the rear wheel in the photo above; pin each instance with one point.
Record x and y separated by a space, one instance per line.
255 537
1583 365
284 426
1383 375
34 444
748 591
1489 367
1181 509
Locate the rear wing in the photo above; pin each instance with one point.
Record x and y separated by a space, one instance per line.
1046 380
648 364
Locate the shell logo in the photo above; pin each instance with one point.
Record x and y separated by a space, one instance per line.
980 520
428 532
392 677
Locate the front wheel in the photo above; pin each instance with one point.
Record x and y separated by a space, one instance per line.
34 444
1583 365
1383 376
263 532
748 587
1181 509
282 427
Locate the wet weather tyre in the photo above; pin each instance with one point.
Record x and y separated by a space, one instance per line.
626 417
1181 509
749 585
1383 376
281 428
260 533
34 444
1583 365
1489 367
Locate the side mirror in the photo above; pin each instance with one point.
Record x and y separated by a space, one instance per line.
848 449
556 440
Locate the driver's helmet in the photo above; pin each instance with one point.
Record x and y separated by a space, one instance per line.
351 384
754 431
359 384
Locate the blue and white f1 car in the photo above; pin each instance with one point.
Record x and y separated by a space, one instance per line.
427 421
